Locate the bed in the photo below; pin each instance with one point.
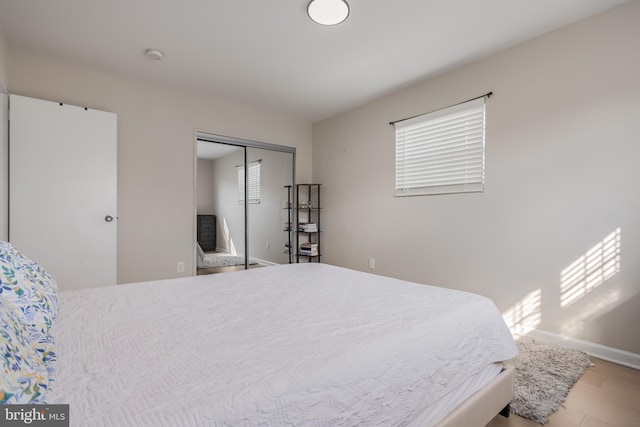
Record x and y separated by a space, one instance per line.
300 345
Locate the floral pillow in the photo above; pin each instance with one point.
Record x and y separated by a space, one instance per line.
31 290
45 348
24 379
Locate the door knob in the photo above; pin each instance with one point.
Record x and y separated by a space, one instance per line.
108 218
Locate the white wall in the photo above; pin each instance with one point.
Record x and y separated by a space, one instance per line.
561 174
4 140
229 213
4 61
204 187
156 152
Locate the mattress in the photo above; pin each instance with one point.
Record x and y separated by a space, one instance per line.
450 401
300 344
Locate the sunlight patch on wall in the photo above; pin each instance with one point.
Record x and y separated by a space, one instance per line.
599 264
226 235
604 303
525 315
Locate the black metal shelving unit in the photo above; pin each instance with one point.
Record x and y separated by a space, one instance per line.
307 214
288 227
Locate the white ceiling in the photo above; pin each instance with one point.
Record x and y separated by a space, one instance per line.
267 54
211 151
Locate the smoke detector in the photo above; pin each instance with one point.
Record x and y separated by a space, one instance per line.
154 54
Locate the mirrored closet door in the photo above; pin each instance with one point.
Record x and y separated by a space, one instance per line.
241 198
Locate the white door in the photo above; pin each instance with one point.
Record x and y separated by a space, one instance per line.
63 188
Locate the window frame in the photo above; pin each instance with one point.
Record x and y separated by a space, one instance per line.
442 152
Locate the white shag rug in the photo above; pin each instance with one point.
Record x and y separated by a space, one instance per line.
544 374
222 260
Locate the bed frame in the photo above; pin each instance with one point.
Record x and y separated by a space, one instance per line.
485 404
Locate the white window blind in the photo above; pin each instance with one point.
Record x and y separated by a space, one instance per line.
254 182
441 152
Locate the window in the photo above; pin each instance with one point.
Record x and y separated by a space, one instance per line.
254 182
441 152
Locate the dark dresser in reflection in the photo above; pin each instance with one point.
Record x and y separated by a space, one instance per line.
207 232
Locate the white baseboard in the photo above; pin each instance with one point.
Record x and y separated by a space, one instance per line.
610 354
262 261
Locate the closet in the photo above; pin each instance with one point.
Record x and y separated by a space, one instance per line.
240 183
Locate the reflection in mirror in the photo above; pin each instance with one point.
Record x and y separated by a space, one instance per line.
267 217
240 227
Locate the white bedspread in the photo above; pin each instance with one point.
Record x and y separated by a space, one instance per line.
302 344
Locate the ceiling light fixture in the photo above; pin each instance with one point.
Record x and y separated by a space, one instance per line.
154 54
328 12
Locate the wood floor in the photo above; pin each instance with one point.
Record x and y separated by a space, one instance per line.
607 395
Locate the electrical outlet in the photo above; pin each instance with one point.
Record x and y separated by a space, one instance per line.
372 263
268 245
180 267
